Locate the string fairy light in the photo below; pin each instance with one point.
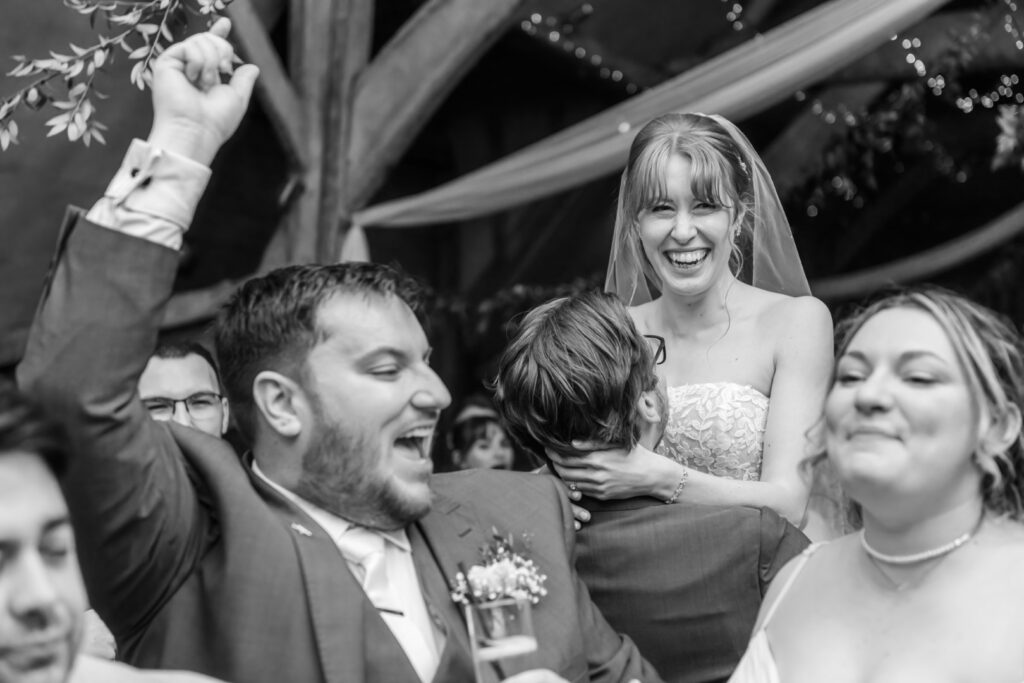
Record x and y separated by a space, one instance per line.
558 32
734 14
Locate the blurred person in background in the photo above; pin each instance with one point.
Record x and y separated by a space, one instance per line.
477 439
181 384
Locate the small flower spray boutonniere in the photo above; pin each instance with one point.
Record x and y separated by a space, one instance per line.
504 573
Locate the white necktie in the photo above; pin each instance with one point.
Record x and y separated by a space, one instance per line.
366 552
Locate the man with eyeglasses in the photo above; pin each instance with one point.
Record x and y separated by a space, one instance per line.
684 581
181 384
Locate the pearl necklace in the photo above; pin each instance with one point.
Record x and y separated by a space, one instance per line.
924 555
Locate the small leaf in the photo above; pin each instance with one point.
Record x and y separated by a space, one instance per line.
139 53
147 29
136 75
59 120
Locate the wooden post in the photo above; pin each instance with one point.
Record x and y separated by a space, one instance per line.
351 25
409 79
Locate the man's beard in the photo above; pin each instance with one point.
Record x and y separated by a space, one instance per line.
338 476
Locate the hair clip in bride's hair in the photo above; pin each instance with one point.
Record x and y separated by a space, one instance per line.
743 167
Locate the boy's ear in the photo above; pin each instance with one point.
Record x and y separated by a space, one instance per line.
648 407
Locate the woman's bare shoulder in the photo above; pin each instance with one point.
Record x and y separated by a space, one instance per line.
786 310
783 318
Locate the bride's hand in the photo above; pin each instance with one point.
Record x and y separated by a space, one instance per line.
580 515
606 472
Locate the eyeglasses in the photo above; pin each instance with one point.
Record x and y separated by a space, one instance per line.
200 405
657 345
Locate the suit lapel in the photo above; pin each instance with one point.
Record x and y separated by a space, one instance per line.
446 537
353 642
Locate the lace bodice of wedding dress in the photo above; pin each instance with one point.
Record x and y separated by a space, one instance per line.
717 428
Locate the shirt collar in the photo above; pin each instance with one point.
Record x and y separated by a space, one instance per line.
334 525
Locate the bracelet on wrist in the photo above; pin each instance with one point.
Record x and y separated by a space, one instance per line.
679 487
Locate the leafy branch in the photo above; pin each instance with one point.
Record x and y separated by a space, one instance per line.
66 82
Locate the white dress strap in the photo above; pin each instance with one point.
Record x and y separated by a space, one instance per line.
798 567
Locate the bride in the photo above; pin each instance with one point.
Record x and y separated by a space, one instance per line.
747 352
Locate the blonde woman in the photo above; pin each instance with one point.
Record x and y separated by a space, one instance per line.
923 427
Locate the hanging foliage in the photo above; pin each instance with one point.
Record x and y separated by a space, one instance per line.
65 82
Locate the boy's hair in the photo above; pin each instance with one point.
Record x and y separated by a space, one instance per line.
575 369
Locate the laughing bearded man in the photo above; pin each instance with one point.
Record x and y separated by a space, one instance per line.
326 554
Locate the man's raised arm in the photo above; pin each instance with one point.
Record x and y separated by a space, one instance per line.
136 515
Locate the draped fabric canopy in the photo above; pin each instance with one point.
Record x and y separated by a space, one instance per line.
736 84
929 262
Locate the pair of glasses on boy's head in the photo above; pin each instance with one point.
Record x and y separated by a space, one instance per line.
200 405
657 345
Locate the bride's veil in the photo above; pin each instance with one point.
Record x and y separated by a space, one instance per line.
766 239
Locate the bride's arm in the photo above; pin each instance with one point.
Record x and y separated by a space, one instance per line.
803 368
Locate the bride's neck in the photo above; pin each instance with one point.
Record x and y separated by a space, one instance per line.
905 536
684 314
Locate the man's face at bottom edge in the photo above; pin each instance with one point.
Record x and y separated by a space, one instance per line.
41 591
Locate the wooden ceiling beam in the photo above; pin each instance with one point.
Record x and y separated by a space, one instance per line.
352 33
309 38
269 11
403 86
274 86
980 33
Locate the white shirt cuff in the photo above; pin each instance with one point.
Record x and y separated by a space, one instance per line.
153 196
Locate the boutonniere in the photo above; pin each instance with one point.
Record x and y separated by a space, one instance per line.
505 572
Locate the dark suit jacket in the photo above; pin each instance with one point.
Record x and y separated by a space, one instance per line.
196 564
683 581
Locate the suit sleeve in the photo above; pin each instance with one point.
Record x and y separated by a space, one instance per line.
137 519
780 542
610 655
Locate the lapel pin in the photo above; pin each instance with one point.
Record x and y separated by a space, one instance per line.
298 528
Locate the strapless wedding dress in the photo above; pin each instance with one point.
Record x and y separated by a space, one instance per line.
717 428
